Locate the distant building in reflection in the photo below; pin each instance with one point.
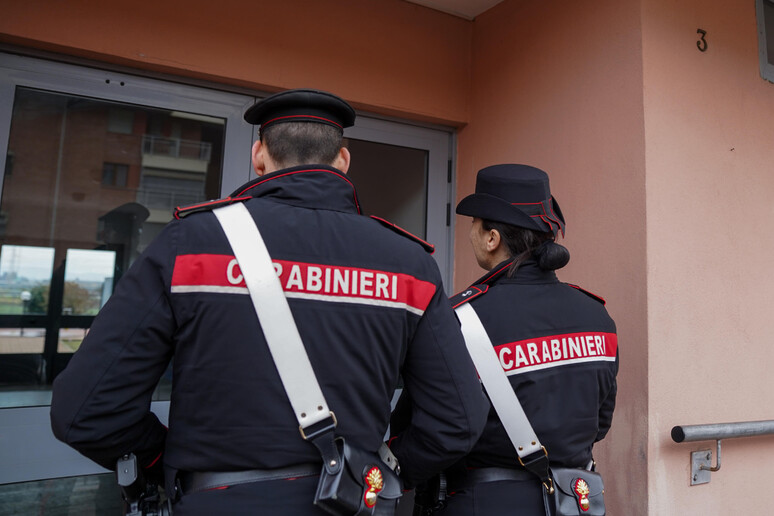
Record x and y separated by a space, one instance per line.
72 160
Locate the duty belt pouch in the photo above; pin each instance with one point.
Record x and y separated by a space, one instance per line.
578 492
362 486
353 482
566 491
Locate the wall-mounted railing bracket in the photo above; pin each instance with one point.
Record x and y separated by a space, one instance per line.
700 467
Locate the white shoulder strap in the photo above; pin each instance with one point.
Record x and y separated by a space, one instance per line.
499 389
274 314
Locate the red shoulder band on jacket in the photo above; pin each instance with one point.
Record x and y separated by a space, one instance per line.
430 248
184 211
590 294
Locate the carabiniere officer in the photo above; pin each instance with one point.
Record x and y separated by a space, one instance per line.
367 299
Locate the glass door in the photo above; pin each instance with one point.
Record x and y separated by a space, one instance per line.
95 162
403 174
88 184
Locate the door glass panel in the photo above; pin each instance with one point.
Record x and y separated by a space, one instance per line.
70 339
391 183
768 17
88 277
25 277
88 184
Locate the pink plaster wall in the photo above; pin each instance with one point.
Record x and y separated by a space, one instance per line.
709 155
388 56
558 85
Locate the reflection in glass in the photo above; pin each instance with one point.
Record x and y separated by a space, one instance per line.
20 340
88 281
391 183
88 184
70 339
25 277
76 159
768 17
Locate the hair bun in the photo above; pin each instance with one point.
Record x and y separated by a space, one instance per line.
551 256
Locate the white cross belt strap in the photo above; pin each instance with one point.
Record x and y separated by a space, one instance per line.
274 314
499 389
279 326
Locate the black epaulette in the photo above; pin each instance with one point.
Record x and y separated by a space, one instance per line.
480 286
184 211
590 294
427 246
470 293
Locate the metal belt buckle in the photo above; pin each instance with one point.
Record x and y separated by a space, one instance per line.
319 431
548 483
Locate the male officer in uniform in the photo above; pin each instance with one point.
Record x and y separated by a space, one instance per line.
368 302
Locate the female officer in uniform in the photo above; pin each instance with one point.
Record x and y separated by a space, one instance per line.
567 393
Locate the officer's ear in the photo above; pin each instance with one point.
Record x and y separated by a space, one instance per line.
493 240
342 160
259 157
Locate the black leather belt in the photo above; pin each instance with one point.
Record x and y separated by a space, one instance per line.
193 481
481 475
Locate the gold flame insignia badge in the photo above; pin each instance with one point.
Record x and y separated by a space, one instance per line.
374 483
582 490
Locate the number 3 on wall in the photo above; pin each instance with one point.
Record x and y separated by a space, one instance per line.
702 43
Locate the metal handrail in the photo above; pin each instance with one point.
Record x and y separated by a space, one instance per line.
715 432
701 461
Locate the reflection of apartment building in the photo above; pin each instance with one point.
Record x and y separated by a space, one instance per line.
176 162
107 155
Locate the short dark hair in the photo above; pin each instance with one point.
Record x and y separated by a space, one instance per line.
301 143
523 243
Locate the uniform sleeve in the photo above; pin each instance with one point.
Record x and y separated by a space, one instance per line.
446 403
101 401
607 406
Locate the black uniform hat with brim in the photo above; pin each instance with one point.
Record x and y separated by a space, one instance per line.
301 106
514 194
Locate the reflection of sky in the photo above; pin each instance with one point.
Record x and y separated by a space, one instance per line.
35 263
89 265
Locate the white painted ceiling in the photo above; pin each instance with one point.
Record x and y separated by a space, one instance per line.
467 9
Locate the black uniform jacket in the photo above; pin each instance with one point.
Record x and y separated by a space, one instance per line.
369 305
559 348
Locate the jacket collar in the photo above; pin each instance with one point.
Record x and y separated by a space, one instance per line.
528 272
307 186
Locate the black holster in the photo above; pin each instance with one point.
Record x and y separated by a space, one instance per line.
354 482
431 496
141 498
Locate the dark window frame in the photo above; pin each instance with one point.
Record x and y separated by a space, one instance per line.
765 9
115 174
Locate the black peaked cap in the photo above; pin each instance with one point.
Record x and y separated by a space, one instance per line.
301 106
514 194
